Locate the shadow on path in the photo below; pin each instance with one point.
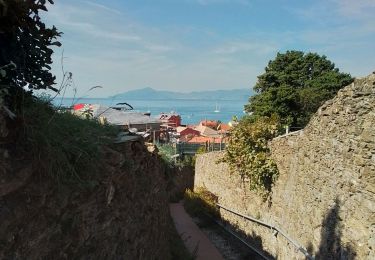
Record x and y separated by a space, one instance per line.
194 239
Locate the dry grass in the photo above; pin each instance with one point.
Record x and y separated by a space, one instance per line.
61 145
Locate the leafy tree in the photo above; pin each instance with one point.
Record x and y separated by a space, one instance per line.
25 46
248 153
295 85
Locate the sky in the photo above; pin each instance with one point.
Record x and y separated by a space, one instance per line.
192 45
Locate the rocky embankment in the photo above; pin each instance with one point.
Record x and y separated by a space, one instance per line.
124 217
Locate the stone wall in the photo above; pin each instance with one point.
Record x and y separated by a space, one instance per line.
179 180
126 215
324 197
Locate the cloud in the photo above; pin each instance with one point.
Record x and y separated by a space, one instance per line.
70 17
344 30
336 11
357 8
210 2
111 51
249 45
102 7
121 52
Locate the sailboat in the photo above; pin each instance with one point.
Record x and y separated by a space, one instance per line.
217 109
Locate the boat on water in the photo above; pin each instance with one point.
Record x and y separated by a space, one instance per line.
217 109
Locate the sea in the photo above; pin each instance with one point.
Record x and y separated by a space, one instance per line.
191 111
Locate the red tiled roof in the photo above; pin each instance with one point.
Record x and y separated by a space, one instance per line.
189 131
167 116
223 128
209 123
203 139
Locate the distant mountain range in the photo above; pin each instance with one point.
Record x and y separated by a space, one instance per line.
152 94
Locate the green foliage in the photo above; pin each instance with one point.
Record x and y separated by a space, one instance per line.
187 161
166 151
62 145
25 44
201 150
295 85
248 153
201 201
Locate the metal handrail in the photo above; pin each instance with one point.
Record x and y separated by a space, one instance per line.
278 230
239 238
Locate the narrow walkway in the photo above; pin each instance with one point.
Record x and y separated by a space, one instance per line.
195 240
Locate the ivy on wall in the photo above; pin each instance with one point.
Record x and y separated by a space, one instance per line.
248 153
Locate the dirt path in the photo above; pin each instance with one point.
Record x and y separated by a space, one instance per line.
195 240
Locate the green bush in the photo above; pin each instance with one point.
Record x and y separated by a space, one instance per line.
166 151
248 153
201 201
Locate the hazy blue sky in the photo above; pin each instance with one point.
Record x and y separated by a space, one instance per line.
187 45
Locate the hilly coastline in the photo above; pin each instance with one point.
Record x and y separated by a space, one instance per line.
152 94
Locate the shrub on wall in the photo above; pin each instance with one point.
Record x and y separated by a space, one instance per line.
248 153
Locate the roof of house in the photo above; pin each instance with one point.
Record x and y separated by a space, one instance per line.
209 123
188 130
207 131
179 129
167 116
117 117
223 128
203 139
